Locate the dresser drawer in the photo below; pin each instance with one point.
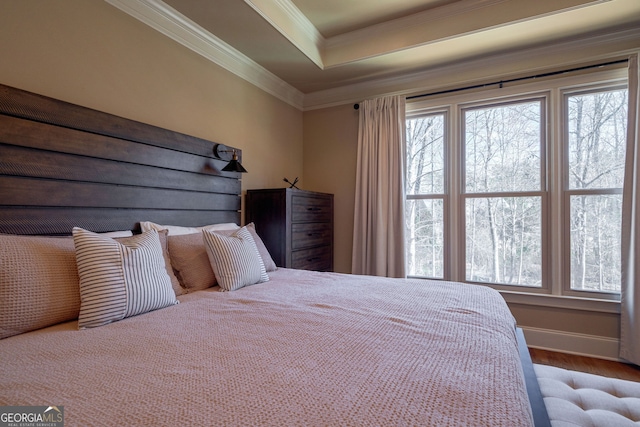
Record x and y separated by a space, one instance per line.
306 235
311 209
319 258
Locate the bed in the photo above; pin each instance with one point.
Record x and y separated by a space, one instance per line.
270 346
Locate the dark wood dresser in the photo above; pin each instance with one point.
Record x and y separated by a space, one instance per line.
295 225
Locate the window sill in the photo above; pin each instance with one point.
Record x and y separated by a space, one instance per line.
562 301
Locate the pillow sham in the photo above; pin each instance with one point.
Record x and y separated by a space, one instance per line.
120 279
175 283
269 264
39 283
176 230
234 259
162 236
190 261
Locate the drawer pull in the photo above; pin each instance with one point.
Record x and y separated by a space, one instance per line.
313 259
314 209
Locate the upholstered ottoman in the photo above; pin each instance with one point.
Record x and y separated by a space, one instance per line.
579 399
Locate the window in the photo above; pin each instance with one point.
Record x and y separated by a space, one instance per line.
520 188
503 192
596 132
425 195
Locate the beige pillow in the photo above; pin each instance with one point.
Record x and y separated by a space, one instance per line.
235 259
120 279
39 284
189 260
175 283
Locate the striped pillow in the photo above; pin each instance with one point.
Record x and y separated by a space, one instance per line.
234 259
120 279
268 262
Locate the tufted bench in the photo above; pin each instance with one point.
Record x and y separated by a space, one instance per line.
579 399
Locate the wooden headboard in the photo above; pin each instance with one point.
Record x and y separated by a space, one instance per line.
63 165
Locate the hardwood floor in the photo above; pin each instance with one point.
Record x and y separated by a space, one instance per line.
590 365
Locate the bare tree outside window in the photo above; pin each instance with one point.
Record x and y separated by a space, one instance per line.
503 146
597 125
425 196
504 244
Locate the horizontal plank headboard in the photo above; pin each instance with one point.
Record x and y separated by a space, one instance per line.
63 165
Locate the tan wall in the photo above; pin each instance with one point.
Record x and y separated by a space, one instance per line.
330 151
89 53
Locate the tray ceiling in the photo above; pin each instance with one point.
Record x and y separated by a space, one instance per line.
314 46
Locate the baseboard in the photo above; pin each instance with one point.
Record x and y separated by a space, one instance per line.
572 343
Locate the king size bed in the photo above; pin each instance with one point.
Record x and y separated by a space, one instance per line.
209 334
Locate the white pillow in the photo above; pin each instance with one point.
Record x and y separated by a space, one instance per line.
114 234
234 259
176 230
120 279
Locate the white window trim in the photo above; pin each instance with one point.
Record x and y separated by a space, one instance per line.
460 275
563 162
445 196
556 89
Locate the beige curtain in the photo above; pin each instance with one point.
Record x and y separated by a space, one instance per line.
630 300
378 232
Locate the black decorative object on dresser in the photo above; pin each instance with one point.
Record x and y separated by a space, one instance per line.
295 225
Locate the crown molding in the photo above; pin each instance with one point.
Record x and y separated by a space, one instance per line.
614 44
285 17
176 26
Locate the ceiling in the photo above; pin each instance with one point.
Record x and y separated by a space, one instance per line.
319 45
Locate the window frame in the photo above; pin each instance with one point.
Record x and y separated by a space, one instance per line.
555 290
445 196
567 192
542 192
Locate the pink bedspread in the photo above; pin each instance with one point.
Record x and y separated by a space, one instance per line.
304 349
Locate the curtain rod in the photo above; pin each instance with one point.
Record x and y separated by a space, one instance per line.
502 82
